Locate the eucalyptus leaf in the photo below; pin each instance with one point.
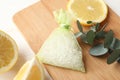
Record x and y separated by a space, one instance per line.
118 60
110 51
79 26
78 34
97 26
93 28
90 37
98 50
115 44
100 34
114 56
84 38
108 39
89 22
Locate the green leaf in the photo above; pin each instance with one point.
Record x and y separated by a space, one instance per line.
93 28
89 22
97 26
98 50
108 39
100 34
115 44
110 51
113 57
84 38
118 60
79 26
90 37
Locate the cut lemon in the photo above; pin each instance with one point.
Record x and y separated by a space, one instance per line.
31 70
8 52
88 10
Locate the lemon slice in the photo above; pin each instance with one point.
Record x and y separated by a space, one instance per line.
8 52
31 70
88 10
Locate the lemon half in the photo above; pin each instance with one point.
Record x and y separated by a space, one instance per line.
8 52
88 10
31 70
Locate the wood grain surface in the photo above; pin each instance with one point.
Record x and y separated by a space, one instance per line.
37 22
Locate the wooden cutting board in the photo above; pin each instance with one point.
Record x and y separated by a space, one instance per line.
37 22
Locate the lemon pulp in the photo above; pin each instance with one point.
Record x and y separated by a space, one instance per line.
88 10
8 52
34 73
30 70
21 73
